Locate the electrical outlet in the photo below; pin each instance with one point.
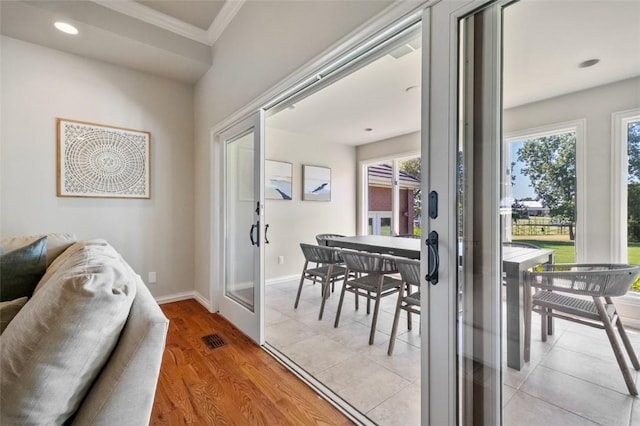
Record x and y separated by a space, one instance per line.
280 260
152 278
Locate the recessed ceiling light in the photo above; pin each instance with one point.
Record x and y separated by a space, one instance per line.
368 129
588 63
66 28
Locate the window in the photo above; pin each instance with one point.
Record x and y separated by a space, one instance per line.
393 199
543 189
625 203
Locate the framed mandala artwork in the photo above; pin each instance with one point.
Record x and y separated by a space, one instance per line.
102 161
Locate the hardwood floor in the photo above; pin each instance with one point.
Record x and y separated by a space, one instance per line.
237 384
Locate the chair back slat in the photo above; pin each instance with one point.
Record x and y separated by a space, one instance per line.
321 254
368 263
409 270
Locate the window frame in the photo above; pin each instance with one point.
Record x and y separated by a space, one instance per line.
619 166
579 127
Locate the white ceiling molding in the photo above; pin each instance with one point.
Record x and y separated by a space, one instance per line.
220 23
153 17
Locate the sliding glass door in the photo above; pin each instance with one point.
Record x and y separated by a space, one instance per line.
462 381
244 229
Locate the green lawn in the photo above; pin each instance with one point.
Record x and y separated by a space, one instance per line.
565 253
564 250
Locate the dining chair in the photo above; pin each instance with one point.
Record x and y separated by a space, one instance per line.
408 299
371 281
322 264
594 285
322 241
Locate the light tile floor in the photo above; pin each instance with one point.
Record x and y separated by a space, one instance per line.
572 378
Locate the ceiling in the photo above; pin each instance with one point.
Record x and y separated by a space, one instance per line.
544 41
172 39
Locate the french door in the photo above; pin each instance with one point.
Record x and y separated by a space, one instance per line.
242 148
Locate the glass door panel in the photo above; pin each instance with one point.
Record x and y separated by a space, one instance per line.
239 279
242 301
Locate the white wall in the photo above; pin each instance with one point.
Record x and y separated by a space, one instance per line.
264 43
392 147
41 84
596 106
295 221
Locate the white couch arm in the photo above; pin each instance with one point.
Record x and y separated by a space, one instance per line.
124 392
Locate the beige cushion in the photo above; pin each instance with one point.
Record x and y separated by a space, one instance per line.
8 311
55 347
56 243
123 394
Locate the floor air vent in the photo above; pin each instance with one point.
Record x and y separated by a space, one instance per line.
214 341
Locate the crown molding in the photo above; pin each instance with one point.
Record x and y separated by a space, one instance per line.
153 17
224 18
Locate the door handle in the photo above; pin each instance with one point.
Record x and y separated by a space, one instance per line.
253 227
266 228
433 258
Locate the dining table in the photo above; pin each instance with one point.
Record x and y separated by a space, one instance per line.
515 261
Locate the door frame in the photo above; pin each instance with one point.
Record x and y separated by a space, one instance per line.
441 79
351 46
439 123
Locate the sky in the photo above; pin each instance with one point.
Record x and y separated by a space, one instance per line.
522 185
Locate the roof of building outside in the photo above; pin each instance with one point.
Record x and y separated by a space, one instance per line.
382 174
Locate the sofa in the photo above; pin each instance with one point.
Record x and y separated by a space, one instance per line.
84 345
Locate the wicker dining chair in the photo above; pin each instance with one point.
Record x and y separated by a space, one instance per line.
371 281
322 264
408 298
601 282
322 241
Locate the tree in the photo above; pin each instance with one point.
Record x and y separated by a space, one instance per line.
550 164
633 182
633 151
633 212
412 167
519 211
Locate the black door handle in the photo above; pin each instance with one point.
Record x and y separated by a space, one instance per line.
266 228
253 227
433 258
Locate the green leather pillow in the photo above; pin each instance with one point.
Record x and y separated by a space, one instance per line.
21 270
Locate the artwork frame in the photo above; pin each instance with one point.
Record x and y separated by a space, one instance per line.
317 183
278 180
102 161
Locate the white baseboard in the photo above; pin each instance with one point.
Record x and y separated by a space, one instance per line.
177 297
202 300
283 279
